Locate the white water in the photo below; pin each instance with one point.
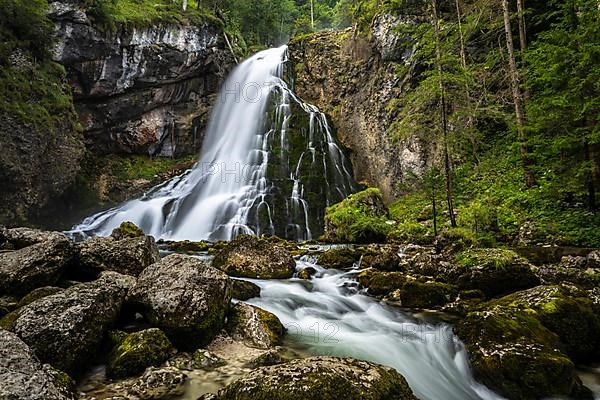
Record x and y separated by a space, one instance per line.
329 316
230 191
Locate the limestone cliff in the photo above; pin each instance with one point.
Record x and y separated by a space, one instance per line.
352 78
140 90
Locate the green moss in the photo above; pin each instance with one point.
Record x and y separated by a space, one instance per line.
360 218
137 351
189 246
127 230
343 258
126 168
38 294
415 294
488 258
8 321
381 283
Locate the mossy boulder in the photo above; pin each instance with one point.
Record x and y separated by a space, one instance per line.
512 352
18 238
188 246
381 283
204 359
415 294
383 258
307 273
244 290
184 297
254 326
566 311
249 256
38 294
8 304
360 218
493 271
341 258
320 378
137 351
127 230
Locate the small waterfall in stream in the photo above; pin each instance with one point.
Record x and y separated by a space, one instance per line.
328 315
269 165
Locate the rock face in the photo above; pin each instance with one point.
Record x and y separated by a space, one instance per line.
320 378
37 265
137 351
252 257
353 80
65 329
129 255
141 90
254 326
184 297
17 238
22 375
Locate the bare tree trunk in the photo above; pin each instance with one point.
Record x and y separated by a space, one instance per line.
517 97
435 231
185 4
443 110
590 177
522 25
463 56
312 15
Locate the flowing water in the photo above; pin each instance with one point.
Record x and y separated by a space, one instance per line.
269 165
328 315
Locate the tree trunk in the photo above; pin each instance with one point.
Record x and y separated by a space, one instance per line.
435 232
463 56
522 25
444 115
312 15
589 176
517 97
185 4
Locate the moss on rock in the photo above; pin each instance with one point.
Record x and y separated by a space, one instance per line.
244 290
254 326
381 283
415 294
342 258
127 230
360 218
137 351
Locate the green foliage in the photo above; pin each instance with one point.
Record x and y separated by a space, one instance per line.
487 258
361 218
24 24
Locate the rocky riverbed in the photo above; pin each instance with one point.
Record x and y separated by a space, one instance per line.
123 317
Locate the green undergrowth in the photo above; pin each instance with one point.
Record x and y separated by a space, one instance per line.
108 14
131 167
492 205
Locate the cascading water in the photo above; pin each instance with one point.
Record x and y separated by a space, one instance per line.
269 165
329 315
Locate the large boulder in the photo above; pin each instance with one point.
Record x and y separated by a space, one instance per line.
340 258
493 271
381 283
23 377
513 353
121 253
244 290
17 238
33 266
383 258
254 326
566 311
184 297
66 329
320 378
252 257
137 351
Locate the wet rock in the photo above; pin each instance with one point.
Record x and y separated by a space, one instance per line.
341 258
188 246
320 378
513 353
307 273
493 271
252 257
65 329
33 266
383 258
244 290
254 326
137 351
415 294
154 384
8 304
381 283
556 274
184 297
204 359
566 311
593 259
268 358
23 377
573 262
127 230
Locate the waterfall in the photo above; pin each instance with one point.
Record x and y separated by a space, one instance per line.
270 164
